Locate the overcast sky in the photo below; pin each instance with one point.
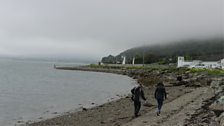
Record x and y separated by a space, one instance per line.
91 29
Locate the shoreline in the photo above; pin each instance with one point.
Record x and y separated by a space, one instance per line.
119 112
110 95
111 113
81 108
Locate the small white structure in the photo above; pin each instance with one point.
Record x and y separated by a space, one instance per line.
124 60
222 63
200 64
133 61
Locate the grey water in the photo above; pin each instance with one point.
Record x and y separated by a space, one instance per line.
34 90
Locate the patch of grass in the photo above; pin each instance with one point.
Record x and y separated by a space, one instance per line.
148 68
161 68
105 66
135 67
209 71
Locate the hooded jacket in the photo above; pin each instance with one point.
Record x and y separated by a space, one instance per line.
138 93
160 92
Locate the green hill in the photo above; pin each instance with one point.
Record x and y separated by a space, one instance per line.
212 49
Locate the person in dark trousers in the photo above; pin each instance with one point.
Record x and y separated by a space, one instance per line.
137 95
160 94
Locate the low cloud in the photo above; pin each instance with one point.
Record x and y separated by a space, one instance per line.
90 29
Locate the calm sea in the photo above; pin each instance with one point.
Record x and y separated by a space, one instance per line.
32 90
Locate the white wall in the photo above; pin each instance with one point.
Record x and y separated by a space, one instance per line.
212 64
222 63
180 61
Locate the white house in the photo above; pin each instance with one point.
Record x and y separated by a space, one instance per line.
200 64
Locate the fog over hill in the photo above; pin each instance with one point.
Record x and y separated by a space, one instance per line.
209 49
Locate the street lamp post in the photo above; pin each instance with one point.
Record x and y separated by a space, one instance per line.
143 58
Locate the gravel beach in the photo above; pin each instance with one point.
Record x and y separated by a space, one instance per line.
112 114
185 103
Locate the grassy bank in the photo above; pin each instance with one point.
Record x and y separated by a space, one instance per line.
218 72
162 68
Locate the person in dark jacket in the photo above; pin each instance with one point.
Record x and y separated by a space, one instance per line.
160 94
137 95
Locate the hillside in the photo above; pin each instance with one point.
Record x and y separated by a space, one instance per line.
212 49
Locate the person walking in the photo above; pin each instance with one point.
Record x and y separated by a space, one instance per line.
137 95
160 94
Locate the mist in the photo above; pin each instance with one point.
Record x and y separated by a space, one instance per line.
91 29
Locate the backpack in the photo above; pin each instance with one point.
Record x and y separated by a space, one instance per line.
133 91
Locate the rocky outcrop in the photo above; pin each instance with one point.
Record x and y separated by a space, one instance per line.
221 119
217 85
